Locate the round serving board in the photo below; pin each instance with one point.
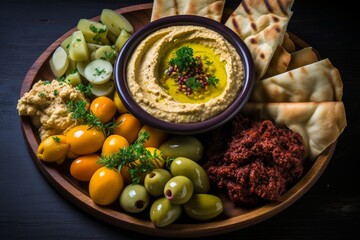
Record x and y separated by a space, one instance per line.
233 218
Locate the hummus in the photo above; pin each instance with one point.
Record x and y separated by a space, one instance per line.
45 104
149 63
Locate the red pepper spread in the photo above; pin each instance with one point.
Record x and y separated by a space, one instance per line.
258 162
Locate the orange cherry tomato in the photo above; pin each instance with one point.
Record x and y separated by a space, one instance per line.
156 138
83 167
104 108
112 144
129 127
105 186
84 139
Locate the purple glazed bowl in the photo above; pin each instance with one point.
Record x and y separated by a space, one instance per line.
184 128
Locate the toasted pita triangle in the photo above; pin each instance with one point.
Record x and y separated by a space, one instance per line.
212 9
315 82
319 124
262 25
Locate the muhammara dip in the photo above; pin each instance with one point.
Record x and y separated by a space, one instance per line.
154 91
45 103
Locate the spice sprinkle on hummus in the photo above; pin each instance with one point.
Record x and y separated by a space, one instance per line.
205 87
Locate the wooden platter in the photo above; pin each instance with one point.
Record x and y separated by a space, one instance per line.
233 218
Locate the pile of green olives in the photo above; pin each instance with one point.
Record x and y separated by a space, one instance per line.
185 189
182 188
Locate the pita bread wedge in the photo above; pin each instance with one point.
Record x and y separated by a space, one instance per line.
212 9
302 57
262 25
315 82
319 124
279 62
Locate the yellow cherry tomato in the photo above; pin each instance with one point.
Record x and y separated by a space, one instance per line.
53 149
105 186
129 127
156 138
158 162
104 108
85 139
119 104
112 144
83 167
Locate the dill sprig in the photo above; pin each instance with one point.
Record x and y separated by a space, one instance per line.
136 157
85 89
80 113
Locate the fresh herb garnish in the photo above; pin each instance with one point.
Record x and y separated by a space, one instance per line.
98 71
85 89
55 92
184 59
80 113
56 139
97 32
213 81
41 94
189 73
46 82
136 157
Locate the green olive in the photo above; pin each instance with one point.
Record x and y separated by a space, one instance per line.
134 198
183 146
179 189
203 206
155 181
163 212
186 167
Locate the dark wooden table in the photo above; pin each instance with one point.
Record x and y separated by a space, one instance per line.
31 208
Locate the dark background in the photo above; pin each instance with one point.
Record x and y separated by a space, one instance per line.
31 208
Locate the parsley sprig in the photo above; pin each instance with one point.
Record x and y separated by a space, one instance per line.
136 157
80 113
184 58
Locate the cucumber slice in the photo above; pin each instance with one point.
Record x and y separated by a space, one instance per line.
80 66
115 22
59 62
104 89
73 78
121 40
98 71
78 49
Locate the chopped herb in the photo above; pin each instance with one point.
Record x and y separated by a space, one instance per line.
74 71
56 139
41 94
213 81
108 55
98 71
85 89
207 62
78 40
56 92
46 82
193 83
97 32
61 79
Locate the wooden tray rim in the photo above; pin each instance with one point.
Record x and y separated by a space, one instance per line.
80 199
